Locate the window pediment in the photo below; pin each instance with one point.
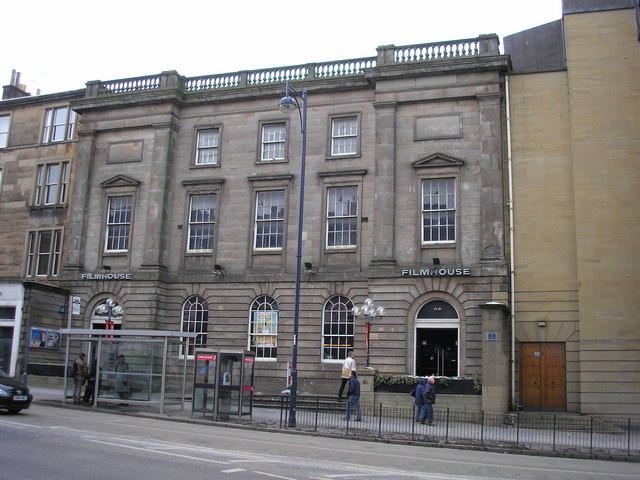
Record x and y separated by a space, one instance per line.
120 181
438 160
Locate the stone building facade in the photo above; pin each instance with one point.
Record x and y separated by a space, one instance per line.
574 117
37 151
185 210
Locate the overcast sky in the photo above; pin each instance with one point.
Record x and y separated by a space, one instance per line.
60 45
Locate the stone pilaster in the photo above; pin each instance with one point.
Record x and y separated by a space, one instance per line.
495 357
159 193
384 196
76 230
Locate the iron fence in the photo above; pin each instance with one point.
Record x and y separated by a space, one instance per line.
541 433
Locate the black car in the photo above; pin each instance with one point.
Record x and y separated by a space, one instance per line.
14 396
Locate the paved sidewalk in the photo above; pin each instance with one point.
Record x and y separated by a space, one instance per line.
610 443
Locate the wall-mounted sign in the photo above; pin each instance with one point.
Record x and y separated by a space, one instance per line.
106 276
435 272
492 336
75 305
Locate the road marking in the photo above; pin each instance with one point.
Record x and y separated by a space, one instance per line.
273 475
23 425
234 470
160 452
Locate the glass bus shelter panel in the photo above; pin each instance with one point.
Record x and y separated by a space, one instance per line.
82 346
174 372
204 386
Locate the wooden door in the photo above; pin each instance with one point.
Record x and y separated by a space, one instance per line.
542 376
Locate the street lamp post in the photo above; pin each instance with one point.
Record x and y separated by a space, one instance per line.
369 310
287 104
110 307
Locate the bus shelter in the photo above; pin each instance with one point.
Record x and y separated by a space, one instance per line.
130 367
223 383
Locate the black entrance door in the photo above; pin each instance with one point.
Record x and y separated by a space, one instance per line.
437 352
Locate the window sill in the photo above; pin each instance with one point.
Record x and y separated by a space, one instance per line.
53 206
344 156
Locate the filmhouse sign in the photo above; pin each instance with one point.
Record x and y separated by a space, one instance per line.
435 272
106 276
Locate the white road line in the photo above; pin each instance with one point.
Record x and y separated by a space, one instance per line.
274 476
129 447
23 425
234 470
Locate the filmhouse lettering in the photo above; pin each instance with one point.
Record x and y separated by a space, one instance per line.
106 276
435 272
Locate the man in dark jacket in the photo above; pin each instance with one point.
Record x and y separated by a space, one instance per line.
419 399
354 396
429 400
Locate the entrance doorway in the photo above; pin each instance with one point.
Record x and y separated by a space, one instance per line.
542 376
437 352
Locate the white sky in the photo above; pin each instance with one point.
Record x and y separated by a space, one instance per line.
59 45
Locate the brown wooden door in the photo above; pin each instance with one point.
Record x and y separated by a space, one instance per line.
542 376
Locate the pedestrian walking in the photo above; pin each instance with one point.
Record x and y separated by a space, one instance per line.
353 395
419 401
122 386
429 400
79 376
348 366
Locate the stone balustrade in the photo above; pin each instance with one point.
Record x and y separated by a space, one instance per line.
387 56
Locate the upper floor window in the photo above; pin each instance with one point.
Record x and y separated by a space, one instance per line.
344 136
338 328
202 223
118 224
269 228
342 217
52 182
207 146
438 210
5 121
195 318
44 251
58 124
274 136
263 333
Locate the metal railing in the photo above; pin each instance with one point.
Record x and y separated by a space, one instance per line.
550 434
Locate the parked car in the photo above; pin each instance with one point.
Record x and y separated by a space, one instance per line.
14 396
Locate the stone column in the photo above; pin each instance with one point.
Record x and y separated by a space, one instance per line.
491 176
495 357
75 231
159 193
384 185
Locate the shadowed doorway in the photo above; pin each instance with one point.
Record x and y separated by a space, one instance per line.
436 340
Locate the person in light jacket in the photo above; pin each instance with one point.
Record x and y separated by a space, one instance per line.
122 386
348 366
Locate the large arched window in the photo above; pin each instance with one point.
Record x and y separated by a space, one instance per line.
338 328
263 327
195 318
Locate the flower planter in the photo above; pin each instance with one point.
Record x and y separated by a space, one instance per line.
444 385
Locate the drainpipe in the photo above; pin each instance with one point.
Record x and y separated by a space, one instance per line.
512 248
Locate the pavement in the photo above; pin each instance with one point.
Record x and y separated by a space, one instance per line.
612 445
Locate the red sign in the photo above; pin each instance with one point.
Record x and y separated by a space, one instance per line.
206 356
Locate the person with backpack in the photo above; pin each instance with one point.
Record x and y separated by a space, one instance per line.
419 401
79 375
